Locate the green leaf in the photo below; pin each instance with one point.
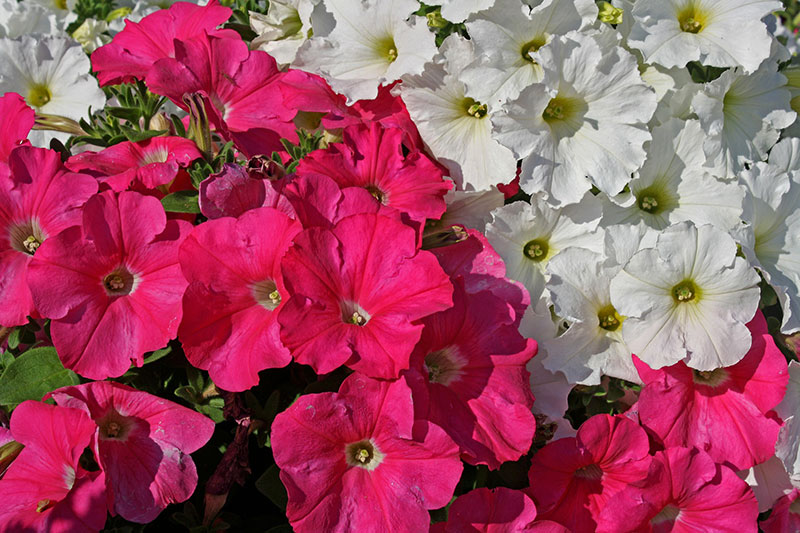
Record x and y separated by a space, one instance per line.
158 354
139 136
269 484
32 375
181 202
13 338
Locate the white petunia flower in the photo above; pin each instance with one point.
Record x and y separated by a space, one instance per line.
771 239
92 34
374 43
592 346
688 299
741 115
19 18
283 29
769 481
673 186
720 33
527 236
63 10
788 446
586 123
506 38
52 74
785 155
459 10
455 127
674 89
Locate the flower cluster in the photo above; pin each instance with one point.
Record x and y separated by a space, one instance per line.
485 265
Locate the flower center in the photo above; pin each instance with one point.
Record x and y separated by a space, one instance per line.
685 291
609 319
267 294
532 46
363 454
444 366
559 108
475 109
388 49
159 155
712 378
61 4
119 282
536 250
609 14
114 426
589 472
376 193
354 314
691 19
38 95
27 237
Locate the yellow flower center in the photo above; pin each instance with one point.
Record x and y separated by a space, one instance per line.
38 95
692 19
532 46
609 319
536 250
685 291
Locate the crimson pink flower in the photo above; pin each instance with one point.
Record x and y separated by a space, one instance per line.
684 492
500 510
17 122
468 376
45 490
136 48
238 86
150 163
725 412
372 157
572 479
785 515
235 291
357 461
112 286
142 444
235 190
38 199
356 292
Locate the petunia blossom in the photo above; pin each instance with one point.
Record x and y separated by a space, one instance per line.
142 444
38 199
355 294
112 286
45 490
235 292
17 122
151 163
357 461
707 409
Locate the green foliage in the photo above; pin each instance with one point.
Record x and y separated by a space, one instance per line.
607 398
90 9
703 74
439 25
201 169
32 375
307 143
128 121
240 19
202 394
181 202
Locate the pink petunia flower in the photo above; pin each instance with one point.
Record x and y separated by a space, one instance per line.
142 444
500 510
468 376
684 492
136 48
725 412
149 164
111 286
357 461
372 157
234 190
38 199
18 119
356 292
235 292
45 490
572 479
239 88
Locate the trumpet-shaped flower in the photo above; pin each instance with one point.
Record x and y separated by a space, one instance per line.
584 124
142 444
688 299
283 28
38 199
112 285
357 461
18 119
527 236
372 44
506 39
674 32
456 127
788 446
